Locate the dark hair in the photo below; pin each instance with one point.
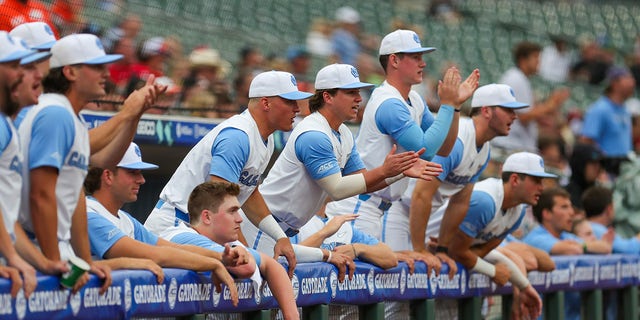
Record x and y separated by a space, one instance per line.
208 196
507 174
93 181
595 200
316 102
547 200
524 49
56 82
384 59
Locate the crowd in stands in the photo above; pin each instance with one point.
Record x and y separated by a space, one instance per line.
444 169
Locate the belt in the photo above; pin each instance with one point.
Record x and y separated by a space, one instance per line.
290 232
179 214
384 204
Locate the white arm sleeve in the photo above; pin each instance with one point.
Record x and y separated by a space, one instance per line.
307 254
517 278
339 187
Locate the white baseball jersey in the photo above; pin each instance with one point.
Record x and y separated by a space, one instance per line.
10 174
289 190
71 160
374 145
485 219
196 166
463 165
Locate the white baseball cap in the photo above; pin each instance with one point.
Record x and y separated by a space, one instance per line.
339 76
402 41
132 159
527 163
38 35
276 83
81 48
347 14
37 56
496 95
12 49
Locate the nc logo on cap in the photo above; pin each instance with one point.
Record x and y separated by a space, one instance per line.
10 38
416 38
541 163
99 44
293 81
138 153
513 94
354 72
47 29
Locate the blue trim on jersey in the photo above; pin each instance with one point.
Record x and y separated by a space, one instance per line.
52 134
140 232
102 234
257 241
5 134
620 244
450 162
385 216
393 118
315 151
362 237
21 114
196 239
229 154
481 211
476 176
540 238
354 163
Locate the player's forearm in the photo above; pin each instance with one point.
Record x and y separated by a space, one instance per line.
380 255
80 230
168 257
44 217
110 140
453 216
418 218
597 246
28 251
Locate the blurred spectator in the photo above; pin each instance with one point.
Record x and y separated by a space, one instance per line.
633 107
299 64
128 27
207 69
555 160
585 171
251 59
524 130
226 108
555 60
444 10
121 71
152 56
582 228
592 64
241 89
67 16
318 38
607 122
17 12
344 40
203 103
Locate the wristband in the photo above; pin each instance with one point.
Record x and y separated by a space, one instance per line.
393 179
329 258
584 248
484 267
442 249
272 228
456 110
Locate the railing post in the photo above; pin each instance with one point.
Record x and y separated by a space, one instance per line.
553 305
592 302
424 309
630 302
470 308
317 312
371 311
507 303
257 315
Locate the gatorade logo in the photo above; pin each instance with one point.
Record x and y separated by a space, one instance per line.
403 280
127 295
333 281
296 286
173 290
21 305
75 301
371 282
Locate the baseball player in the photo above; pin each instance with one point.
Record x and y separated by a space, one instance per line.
396 115
322 159
237 150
